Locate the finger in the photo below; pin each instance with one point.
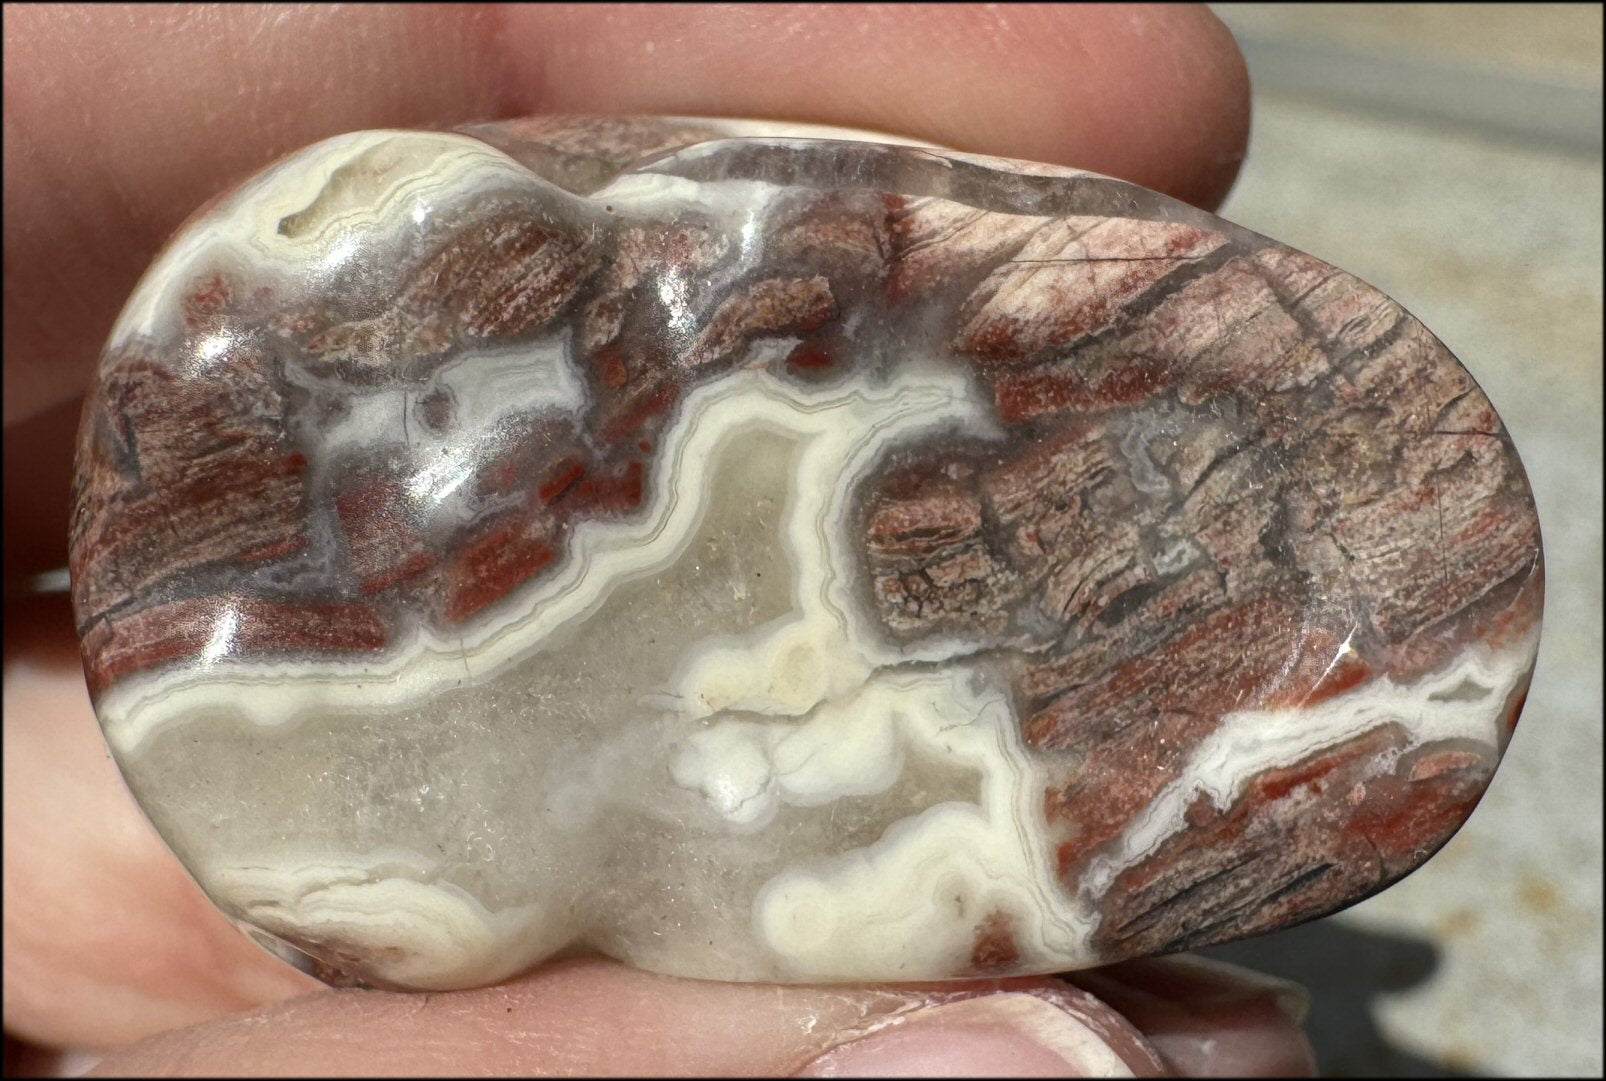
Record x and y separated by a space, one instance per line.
1210 1019
104 171
107 939
37 472
599 1018
88 965
121 120
30 1060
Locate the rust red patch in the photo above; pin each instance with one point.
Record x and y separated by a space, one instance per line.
1024 395
488 568
614 494
994 947
610 362
384 548
205 300
121 645
636 413
560 480
809 357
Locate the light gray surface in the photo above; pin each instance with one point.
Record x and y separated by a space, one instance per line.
1487 961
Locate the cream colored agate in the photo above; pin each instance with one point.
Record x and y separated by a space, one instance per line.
685 745
315 209
796 716
802 711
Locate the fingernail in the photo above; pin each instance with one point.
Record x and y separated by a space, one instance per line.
1206 1018
1294 1001
1235 984
998 1035
76 1063
1202 982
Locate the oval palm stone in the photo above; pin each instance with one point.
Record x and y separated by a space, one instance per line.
756 556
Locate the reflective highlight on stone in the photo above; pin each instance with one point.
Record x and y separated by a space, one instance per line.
762 557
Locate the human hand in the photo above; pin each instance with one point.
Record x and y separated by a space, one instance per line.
121 121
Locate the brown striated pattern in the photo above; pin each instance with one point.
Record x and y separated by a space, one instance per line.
236 624
1073 278
1260 865
767 307
487 566
844 236
929 562
503 277
383 546
690 250
179 474
935 242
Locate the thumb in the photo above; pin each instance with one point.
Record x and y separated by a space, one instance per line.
595 1017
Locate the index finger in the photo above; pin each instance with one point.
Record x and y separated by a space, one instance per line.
120 120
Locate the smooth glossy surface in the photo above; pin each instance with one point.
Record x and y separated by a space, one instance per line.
768 558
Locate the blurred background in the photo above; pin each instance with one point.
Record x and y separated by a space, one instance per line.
1450 154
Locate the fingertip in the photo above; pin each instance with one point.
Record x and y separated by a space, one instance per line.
1221 81
591 1017
1007 1034
1153 93
1209 1019
1167 104
119 120
107 937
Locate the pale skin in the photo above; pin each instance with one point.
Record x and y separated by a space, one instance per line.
120 121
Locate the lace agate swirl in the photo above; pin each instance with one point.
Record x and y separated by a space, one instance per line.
763 557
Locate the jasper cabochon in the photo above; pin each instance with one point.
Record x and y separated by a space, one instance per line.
756 556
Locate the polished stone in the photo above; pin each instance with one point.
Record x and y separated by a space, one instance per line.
759 557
